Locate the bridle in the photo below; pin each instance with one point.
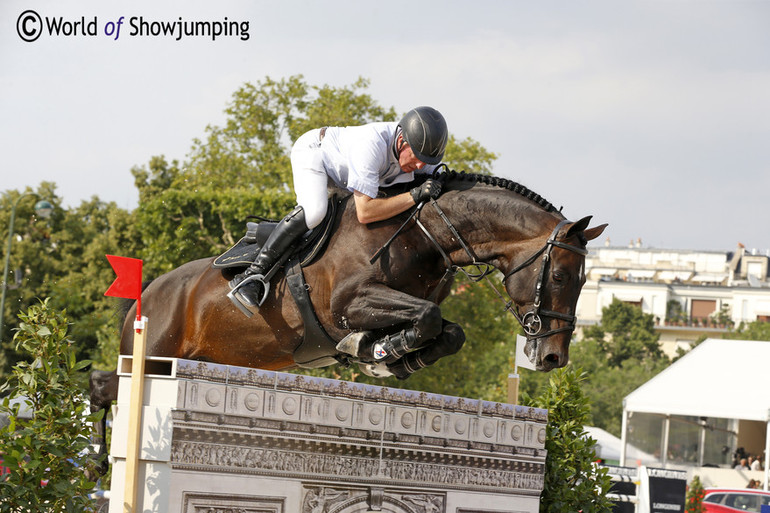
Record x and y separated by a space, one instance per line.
530 321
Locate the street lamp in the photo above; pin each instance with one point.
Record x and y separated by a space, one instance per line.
43 208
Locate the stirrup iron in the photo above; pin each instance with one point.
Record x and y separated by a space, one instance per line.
236 299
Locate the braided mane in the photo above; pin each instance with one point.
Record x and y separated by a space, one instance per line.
452 175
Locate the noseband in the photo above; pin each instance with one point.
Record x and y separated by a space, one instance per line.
531 321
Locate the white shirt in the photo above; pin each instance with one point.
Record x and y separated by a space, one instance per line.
362 158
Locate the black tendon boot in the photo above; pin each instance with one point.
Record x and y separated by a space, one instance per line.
253 292
392 347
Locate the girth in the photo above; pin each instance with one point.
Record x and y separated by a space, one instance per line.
317 345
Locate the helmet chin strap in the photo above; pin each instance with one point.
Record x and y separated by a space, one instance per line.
396 149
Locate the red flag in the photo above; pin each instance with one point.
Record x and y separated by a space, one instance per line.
128 284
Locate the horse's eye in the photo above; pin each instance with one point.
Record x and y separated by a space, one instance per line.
558 276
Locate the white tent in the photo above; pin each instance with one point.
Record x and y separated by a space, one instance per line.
719 378
608 448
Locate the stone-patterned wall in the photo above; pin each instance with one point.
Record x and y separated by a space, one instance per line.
247 440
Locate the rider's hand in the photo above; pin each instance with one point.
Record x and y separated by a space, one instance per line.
430 189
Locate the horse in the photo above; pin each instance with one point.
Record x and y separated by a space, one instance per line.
383 281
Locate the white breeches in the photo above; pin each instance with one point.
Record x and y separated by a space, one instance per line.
310 177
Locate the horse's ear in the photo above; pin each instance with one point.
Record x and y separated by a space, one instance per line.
582 226
594 232
579 226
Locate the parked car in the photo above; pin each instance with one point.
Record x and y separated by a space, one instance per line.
732 500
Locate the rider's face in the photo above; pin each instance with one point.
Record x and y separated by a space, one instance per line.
407 160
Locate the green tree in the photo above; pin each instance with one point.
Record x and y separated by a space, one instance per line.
29 263
82 237
62 258
620 354
51 446
626 333
756 330
572 481
469 155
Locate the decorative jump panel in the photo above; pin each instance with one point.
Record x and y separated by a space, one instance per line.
253 440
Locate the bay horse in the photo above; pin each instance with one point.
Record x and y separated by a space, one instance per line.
477 220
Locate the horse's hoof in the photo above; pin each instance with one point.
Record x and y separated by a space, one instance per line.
400 369
375 370
352 342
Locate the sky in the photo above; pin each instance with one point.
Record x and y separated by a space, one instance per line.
652 116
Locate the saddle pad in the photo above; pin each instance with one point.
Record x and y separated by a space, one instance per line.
242 254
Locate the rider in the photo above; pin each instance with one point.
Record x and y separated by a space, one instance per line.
360 159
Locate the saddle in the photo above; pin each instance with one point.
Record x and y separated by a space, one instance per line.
317 345
309 247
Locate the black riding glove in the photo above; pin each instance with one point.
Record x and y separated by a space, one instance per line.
430 189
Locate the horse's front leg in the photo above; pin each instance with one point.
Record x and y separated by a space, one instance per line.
448 342
404 322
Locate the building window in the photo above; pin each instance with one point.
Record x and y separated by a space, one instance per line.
703 308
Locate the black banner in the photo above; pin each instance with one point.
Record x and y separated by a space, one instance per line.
667 490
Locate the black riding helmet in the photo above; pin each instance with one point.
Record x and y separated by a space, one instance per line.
424 128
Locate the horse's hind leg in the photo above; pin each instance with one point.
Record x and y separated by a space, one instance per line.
104 390
448 342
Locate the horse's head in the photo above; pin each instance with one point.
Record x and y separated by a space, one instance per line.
545 289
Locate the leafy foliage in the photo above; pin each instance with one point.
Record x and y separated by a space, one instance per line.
50 447
756 330
626 333
62 258
573 482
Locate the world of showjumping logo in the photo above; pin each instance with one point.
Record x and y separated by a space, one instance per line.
30 26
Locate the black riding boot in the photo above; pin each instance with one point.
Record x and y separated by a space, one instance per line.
283 236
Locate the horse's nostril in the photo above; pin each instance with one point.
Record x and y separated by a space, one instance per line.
552 361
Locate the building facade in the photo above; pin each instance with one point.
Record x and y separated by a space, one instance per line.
689 293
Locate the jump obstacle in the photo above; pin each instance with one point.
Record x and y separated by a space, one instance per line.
219 438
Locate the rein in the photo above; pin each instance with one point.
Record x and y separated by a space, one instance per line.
531 321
